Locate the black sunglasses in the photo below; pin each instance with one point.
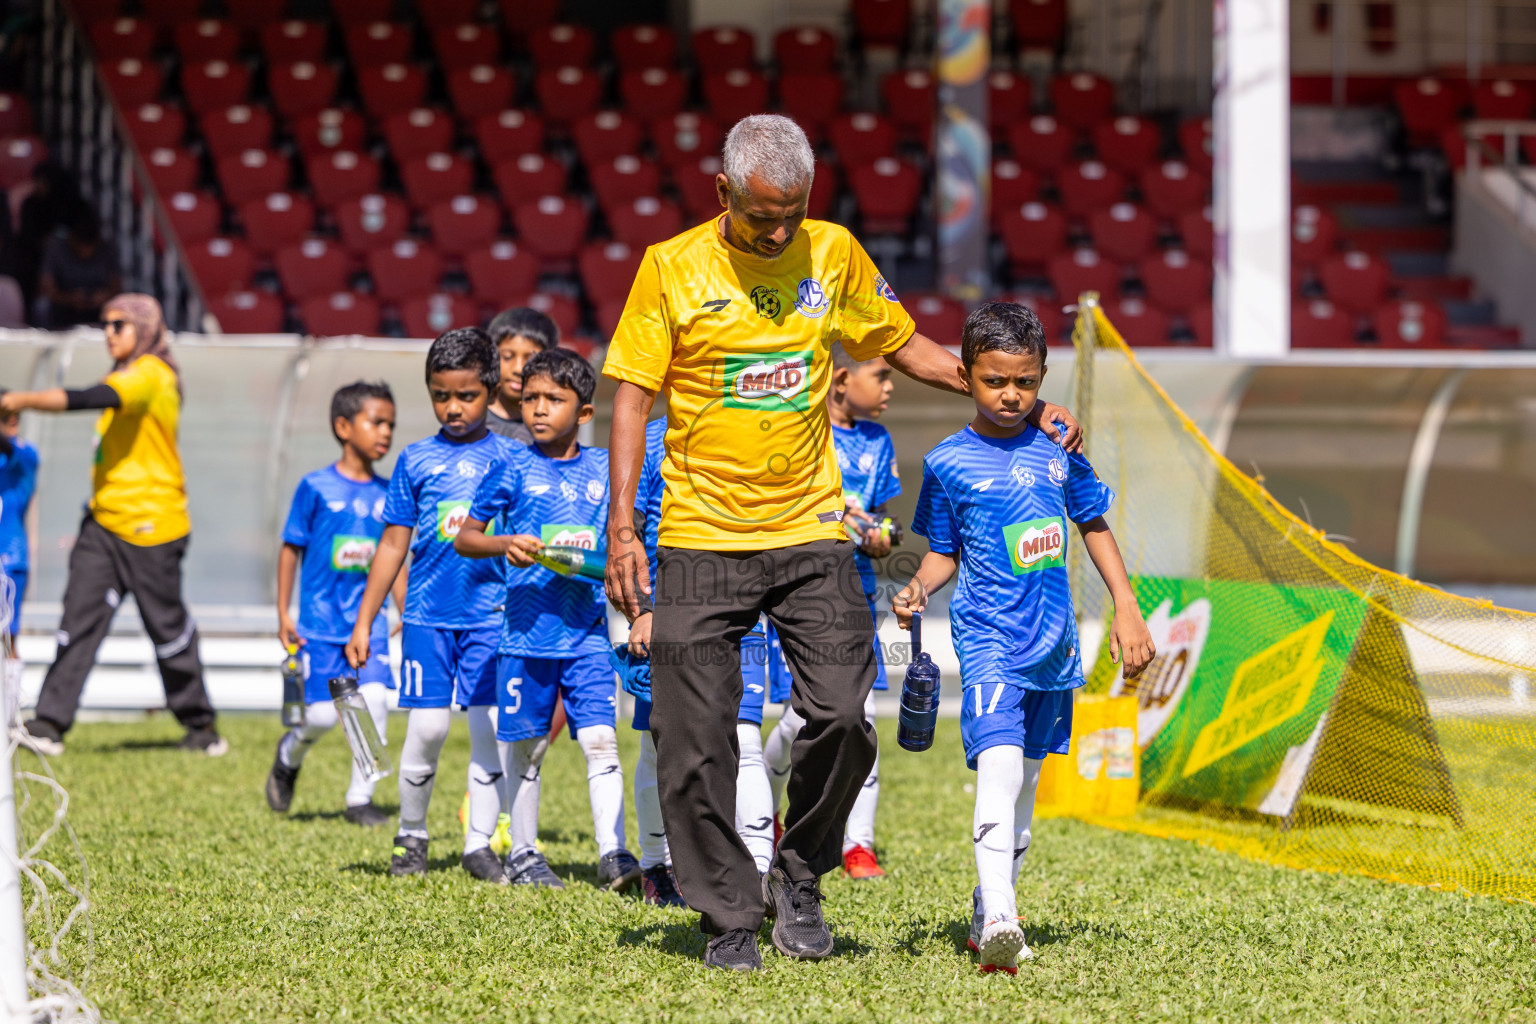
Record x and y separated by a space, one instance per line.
114 326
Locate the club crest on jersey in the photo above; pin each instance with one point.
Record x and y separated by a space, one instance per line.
594 490
450 517
1058 471
467 469
359 507
1036 544
811 298
378 509
567 490
756 382
351 554
570 535
767 302
885 289
1022 476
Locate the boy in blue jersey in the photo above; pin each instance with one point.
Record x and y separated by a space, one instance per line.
554 633
18 482
448 646
333 527
867 460
994 504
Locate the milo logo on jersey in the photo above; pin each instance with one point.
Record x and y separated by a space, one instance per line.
450 517
570 535
351 554
1037 544
777 381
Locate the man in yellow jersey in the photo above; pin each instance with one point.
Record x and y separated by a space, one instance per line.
735 320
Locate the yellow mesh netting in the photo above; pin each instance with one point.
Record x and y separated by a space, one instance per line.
1307 708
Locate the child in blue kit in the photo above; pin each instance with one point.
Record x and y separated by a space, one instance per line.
448 646
995 501
554 634
334 525
18 483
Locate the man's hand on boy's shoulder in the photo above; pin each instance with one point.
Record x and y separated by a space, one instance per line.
1058 424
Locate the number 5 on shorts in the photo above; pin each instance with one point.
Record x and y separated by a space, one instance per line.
514 698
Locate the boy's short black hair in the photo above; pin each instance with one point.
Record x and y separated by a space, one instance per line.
566 369
465 348
841 360
522 321
349 400
1001 327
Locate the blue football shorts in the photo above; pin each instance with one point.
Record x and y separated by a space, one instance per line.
324 661
1005 715
526 689
443 667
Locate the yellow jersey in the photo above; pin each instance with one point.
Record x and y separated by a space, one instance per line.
741 344
137 488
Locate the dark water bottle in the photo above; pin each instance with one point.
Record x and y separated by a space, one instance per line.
919 696
293 689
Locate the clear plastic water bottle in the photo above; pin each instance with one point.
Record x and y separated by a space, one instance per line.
293 689
919 711
368 750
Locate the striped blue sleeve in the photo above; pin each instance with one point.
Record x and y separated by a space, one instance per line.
297 530
935 516
1086 495
400 503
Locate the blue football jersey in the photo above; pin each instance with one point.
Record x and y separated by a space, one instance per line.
338 523
18 482
867 459
432 487
649 491
1003 505
560 501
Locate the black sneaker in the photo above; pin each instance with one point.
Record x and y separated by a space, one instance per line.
484 865
409 856
659 887
530 868
366 815
736 950
280 782
618 870
798 928
204 741
42 736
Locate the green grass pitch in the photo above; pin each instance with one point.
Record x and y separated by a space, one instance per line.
210 908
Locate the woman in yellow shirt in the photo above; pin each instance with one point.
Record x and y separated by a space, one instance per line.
135 532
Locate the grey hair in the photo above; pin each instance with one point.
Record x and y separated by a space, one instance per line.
771 147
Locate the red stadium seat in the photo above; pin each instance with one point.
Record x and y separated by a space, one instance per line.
1355 281
812 99
819 206
1197 232
862 138
911 100
329 129
436 176
194 216
304 87
1127 144
696 185
563 311
235 129
276 221
221 265
1032 234
1082 100
686 138
372 221
1196 143
1008 99
653 94
413 133
404 269
724 48
609 313
214 85
350 12
1314 234
207 39
637 47
1042 142
1038 24
1171 187
171 12
887 193
251 173
645 221
528 177
568 94
604 135
342 175
1089 186
1318 323
172 170
427 316
1202 324
447 13
938 317
253 14
377 42
339 314
15 114
152 126
1427 106
463 223
622 180
481 90
882 23
133 82
522 17
1501 100
461 46
561 46
803 50
551 227
1124 232
501 271
1139 324
117 39
18 157
1409 324
1174 282
247 312
1082 270
313 267
1013 185
733 95
391 88
508 134
294 42
608 268
1048 312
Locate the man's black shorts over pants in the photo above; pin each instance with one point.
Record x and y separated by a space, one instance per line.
706 601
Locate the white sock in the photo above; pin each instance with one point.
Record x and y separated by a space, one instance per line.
605 785
754 797
319 719
861 820
522 760
1024 814
485 779
776 753
653 835
376 696
1005 801
425 732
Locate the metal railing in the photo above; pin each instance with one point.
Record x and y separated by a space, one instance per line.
1479 149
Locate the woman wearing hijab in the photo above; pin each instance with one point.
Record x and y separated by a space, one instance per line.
135 533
